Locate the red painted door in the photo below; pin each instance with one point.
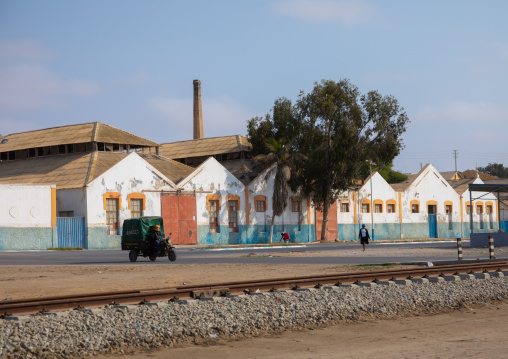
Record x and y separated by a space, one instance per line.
332 229
179 215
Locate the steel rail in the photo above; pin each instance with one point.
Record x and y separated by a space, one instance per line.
65 302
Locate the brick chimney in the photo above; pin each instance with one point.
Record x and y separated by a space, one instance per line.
198 112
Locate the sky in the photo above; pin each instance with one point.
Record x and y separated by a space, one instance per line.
131 64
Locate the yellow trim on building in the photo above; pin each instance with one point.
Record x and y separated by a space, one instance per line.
112 195
136 195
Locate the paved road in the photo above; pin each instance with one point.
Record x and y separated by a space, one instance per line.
188 255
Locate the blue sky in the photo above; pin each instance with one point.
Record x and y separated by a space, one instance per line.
131 64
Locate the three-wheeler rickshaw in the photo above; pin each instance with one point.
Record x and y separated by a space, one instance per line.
136 238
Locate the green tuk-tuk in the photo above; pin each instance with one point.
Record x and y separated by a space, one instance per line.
136 238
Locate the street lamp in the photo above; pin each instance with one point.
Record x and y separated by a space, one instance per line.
371 196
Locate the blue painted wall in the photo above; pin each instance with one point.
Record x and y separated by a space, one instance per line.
255 234
349 232
97 238
14 238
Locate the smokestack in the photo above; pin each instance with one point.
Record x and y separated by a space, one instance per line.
198 112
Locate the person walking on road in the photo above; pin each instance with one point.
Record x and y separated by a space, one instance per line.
364 236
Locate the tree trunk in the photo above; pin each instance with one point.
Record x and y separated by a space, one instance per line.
324 228
271 228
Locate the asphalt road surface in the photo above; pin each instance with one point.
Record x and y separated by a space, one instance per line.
377 253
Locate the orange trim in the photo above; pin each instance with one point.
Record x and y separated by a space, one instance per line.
365 200
112 195
247 205
355 211
308 210
260 198
53 207
391 201
212 197
233 197
461 210
414 201
432 203
137 195
378 201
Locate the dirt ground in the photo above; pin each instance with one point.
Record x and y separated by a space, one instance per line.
474 332
40 281
477 332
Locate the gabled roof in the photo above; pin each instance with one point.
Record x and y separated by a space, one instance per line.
451 175
474 173
205 147
245 170
461 185
75 170
402 186
81 133
66 171
173 170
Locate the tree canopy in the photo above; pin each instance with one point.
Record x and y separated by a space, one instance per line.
495 169
337 130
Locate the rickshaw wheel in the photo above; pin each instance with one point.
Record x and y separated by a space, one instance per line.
133 256
172 256
152 258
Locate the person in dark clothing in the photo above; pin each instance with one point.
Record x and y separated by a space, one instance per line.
364 236
155 238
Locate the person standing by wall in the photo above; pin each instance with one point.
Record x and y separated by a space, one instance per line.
364 236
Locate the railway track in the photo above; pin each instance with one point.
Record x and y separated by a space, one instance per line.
91 300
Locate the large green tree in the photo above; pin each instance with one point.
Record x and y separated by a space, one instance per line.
336 130
495 169
271 149
341 131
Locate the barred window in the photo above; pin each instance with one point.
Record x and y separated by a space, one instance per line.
136 208
213 216
344 207
390 207
365 208
112 216
378 208
415 208
295 206
448 209
233 216
260 206
489 209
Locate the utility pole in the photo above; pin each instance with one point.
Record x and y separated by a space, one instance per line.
455 155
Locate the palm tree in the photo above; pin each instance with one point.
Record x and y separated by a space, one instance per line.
281 156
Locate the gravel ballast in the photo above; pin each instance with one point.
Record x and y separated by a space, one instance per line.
80 333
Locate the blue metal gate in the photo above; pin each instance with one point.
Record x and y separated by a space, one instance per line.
432 226
504 225
71 232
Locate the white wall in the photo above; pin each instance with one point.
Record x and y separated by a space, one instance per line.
25 205
430 186
212 178
131 175
71 200
262 185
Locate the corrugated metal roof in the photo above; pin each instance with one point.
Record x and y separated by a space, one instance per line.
81 133
77 169
66 171
402 186
461 185
205 147
173 170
